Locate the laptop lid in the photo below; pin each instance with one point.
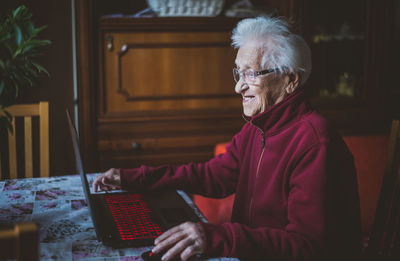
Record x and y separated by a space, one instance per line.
79 165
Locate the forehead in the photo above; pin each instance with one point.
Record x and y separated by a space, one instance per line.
249 55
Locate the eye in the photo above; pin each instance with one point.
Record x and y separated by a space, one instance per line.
250 74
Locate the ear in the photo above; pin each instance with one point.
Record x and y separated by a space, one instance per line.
293 82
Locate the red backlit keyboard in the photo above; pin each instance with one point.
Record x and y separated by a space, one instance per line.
132 217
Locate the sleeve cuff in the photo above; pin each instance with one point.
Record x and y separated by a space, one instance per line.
130 178
216 240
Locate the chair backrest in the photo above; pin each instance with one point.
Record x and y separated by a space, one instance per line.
384 242
28 111
20 243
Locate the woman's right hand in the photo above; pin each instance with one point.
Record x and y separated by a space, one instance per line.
109 180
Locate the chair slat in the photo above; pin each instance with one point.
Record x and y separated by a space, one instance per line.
23 110
44 139
20 243
12 151
28 147
27 111
27 241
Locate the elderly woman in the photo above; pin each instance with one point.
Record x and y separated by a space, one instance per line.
294 178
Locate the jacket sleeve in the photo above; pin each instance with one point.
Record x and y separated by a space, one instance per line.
215 178
312 218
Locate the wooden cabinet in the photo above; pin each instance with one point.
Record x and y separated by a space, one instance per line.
166 91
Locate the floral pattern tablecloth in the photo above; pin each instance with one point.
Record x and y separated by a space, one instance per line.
57 204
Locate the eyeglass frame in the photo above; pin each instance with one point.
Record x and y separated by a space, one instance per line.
256 73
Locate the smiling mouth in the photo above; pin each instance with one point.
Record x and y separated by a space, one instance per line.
248 98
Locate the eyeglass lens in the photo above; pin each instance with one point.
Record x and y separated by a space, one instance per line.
249 75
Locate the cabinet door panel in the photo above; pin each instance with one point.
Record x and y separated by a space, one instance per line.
173 71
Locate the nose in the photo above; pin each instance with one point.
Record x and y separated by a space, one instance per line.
240 86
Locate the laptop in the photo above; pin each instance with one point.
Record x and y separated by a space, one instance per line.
129 219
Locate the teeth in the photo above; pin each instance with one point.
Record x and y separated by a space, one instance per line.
247 98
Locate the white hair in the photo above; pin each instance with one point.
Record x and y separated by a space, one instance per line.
282 49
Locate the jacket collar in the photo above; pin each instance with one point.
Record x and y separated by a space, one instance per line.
289 110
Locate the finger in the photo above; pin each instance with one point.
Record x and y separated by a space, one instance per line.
189 252
167 234
96 183
100 179
106 181
168 242
104 187
110 180
177 249
94 186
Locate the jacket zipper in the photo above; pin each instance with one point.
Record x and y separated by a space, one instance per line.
258 168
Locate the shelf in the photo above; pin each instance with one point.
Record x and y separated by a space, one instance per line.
169 23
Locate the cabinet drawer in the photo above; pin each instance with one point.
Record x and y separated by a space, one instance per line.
146 145
154 151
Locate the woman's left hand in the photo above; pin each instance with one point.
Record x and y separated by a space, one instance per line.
184 240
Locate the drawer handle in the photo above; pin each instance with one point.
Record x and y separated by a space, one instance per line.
110 44
136 146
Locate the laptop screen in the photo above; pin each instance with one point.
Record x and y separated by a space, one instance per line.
78 160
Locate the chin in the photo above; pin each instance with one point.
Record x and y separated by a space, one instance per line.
249 114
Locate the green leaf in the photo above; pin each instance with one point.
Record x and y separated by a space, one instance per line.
31 71
9 116
4 123
30 28
1 87
38 30
9 126
36 42
45 42
17 52
6 119
40 68
18 34
27 49
18 10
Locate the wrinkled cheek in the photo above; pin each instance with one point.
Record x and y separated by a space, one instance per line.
263 104
252 108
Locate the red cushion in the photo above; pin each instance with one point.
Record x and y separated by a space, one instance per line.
369 159
217 211
220 148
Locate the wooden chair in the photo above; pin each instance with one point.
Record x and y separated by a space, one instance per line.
27 111
384 241
20 243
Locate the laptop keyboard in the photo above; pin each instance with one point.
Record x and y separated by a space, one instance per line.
132 217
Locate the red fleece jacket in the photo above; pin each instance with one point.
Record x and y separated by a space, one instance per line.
295 184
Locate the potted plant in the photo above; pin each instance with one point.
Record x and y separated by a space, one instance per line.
19 46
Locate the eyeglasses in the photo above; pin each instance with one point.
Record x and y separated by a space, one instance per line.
250 75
